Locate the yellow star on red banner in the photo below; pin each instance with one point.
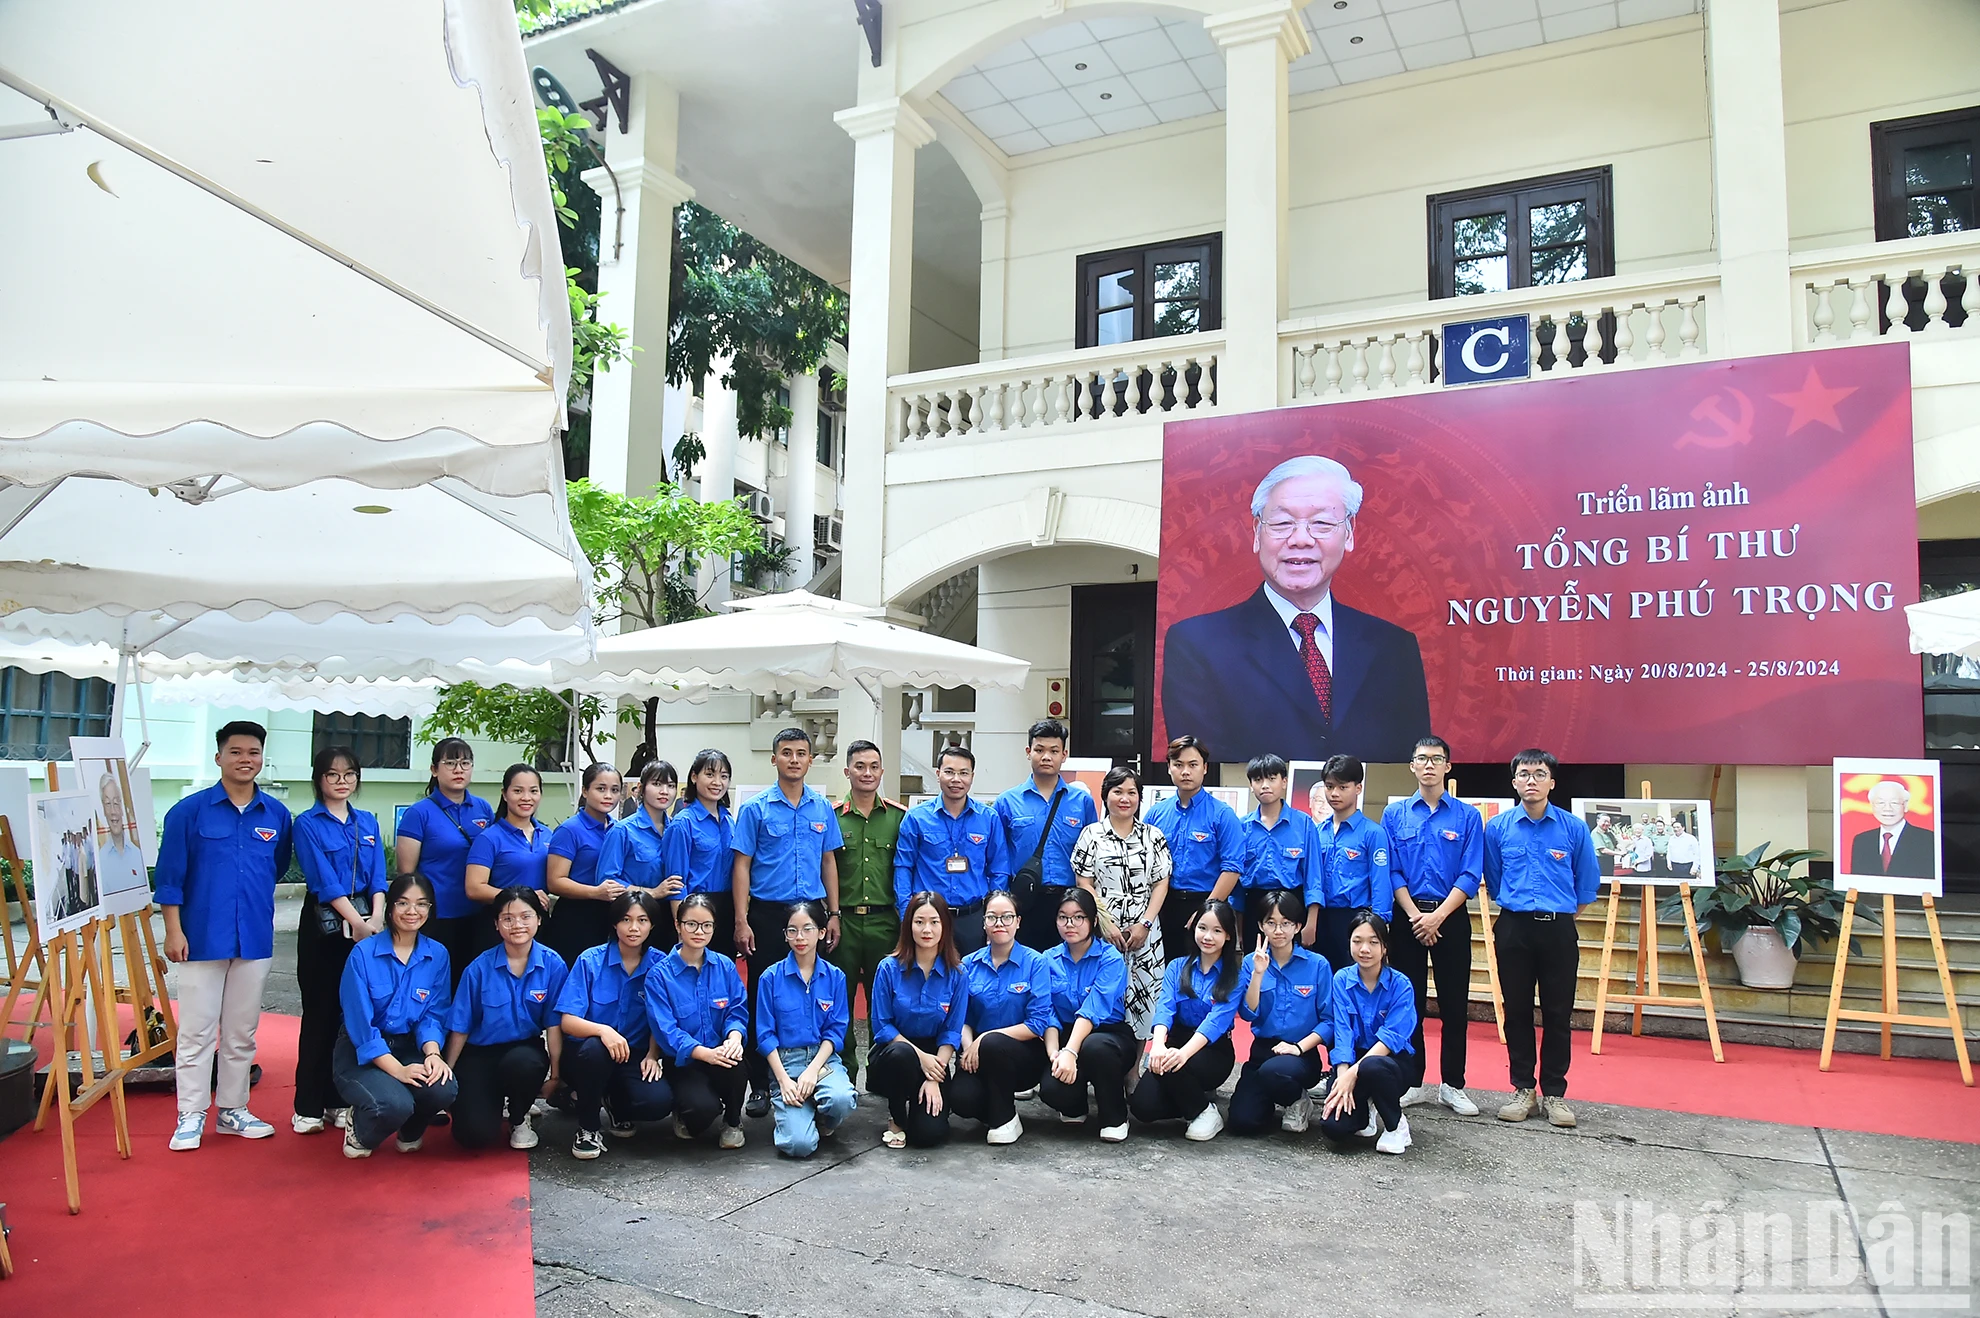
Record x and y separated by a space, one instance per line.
1813 403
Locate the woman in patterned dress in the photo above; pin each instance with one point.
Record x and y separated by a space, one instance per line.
1125 864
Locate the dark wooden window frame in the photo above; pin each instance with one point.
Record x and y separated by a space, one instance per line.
1092 604
29 706
376 738
1595 187
1887 147
1086 324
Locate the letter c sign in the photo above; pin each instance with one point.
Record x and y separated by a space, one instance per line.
1479 351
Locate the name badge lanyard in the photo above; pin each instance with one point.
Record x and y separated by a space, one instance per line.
958 863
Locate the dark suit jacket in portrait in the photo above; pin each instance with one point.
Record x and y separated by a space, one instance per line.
1912 858
1235 679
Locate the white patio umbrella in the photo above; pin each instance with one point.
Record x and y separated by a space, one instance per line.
272 243
793 641
1948 625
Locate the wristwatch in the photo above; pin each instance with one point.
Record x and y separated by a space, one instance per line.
1145 923
831 915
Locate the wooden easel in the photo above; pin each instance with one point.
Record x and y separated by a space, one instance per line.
1491 953
27 972
1889 1014
77 965
1649 992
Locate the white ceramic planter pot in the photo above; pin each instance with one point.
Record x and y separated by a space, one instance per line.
1764 960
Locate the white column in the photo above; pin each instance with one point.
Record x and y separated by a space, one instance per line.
1258 42
996 275
801 488
885 136
1749 176
635 255
718 468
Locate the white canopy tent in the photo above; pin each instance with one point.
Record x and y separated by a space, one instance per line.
291 394
1949 625
791 642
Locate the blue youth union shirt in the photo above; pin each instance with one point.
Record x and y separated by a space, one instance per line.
699 849
344 859
1205 840
445 832
495 1005
599 990
1432 851
219 865
630 853
579 840
1546 864
1354 869
1019 992
512 859
1280 855
1024 812
786 844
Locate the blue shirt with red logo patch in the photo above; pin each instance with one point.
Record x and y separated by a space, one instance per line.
444 832
1024 811
495 1005
793 1014
600 990
1545 864
580 840
1019 992
219 865
917 1006
786 844
1205 840
1432 851
1364 1017
930 835
1294 1000
1188 998
382 996
1281 855
1353 868
340 859
693 1007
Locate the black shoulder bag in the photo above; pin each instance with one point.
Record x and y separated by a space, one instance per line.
1030 875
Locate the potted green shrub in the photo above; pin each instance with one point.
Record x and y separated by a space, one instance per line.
1766 914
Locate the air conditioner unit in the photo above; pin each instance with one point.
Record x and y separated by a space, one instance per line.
758 504
829 533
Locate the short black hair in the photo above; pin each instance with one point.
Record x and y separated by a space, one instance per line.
859 746
1266 766
1534 755
1342 769
956 749
1187 742
1048 729
790 734
240 727
1435 744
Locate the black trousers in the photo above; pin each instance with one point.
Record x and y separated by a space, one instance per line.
894 1073
596 1079
1003 1066
703 1093
320 961
1182 1094
766 922
967 921
1379 1083
577 925
1542 953
1039 927
496 1078
1331 931
1179 912
1105 1059
1450 960
457 935
1268 1082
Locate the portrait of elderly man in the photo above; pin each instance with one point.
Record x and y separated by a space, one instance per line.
1291 670
1894 846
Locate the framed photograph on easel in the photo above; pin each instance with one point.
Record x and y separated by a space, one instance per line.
1886 833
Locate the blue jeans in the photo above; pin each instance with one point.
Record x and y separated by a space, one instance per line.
798 1128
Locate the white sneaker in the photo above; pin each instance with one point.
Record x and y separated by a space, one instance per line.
1114 1134
1007 1133
1297 1117
340 1117
410 1146
1025 1095
1206 1124
521 1136
353 1149
1394 1141
732 1137
1374 1126
1457 1101
617 1128
303 1125
187 1134
239 1121
540 1108
1416 1094
1065 1120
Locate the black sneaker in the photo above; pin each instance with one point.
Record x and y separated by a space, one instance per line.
588 1145
758 1105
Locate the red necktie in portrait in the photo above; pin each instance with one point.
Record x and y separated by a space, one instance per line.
1316 664
1887 853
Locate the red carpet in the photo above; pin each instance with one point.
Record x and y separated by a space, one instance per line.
286 1225
1904 1096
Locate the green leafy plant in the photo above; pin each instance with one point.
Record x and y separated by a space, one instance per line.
764 565
1760 889
539 723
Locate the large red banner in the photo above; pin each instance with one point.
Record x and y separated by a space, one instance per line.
1702 563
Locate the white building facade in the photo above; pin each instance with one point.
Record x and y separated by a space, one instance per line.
1065 222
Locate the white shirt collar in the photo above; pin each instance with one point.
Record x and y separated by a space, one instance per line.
1892 831
1287 611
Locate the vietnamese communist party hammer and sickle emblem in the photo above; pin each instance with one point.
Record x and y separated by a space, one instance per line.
1727 431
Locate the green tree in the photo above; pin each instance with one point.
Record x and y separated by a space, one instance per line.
540 723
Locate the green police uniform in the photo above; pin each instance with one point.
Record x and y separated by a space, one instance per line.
868 926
